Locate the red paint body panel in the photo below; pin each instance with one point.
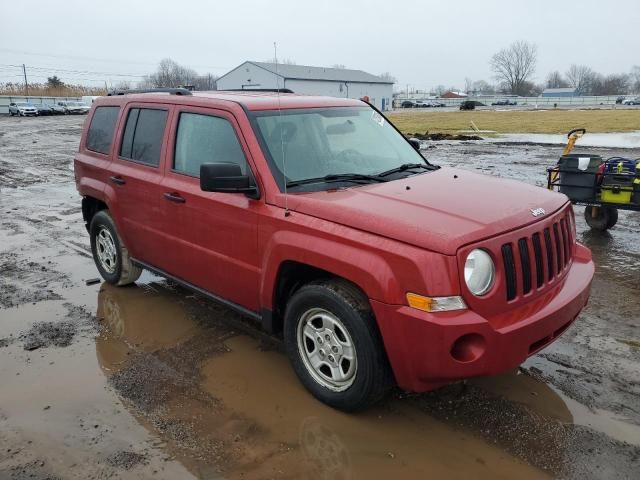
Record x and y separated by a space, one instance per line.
385 238
419 344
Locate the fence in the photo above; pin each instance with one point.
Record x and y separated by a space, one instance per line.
587 101
5 100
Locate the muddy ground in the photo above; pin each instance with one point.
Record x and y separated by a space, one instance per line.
151 381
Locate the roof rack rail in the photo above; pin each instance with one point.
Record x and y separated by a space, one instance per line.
172 91
273 90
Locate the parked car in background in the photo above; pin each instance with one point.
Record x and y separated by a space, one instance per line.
56 109
407 104
468 105
44 109
504 102
22 109
619 100
471 104
631 101
74 107
438 104
422 104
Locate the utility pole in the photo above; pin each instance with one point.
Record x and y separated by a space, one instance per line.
26 85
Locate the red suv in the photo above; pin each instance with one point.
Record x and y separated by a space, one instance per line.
316 217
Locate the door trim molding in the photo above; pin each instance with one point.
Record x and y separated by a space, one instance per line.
227 303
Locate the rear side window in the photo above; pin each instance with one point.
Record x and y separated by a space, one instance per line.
143 133
101 130
206 139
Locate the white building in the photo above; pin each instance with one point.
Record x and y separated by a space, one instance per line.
332 82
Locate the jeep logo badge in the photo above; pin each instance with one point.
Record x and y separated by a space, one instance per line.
536 212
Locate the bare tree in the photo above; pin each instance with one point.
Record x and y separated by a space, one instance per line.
514 65
580 77
439 90
387 77
206 82
468 85
482 86
123 85
610 85
556 80
634 78
170 74
281 61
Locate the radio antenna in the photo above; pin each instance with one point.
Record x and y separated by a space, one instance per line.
284 160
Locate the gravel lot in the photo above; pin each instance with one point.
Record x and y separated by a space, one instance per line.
151 381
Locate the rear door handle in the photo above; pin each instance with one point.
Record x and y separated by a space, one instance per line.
118 180
174 197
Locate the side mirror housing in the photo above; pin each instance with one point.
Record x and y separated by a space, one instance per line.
415 143
226 178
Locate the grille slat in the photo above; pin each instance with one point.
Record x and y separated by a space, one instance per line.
557 247
523 248
550 259
565 243
537 252
509 271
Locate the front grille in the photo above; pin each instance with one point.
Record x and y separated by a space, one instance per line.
533 256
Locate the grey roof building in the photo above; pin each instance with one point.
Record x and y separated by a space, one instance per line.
304 79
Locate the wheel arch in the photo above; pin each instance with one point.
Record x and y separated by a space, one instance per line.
289 265
91 206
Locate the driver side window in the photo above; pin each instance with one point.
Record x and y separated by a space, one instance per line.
205 139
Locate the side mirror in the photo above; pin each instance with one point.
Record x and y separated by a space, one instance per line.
415 143
225 177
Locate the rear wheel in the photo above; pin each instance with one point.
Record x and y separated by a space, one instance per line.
334 345
109 253
601 218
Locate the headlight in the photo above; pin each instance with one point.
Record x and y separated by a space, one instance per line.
479 272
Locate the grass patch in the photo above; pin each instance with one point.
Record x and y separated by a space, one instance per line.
540 121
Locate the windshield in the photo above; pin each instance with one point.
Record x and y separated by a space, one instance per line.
320 142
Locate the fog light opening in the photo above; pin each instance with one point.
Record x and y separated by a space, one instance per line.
468 348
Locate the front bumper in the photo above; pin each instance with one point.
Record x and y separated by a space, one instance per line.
427 350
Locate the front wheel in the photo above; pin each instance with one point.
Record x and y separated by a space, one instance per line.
334 345
601 218
109 253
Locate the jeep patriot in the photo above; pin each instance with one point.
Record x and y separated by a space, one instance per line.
317 218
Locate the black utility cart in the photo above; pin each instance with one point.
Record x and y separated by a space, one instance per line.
602 186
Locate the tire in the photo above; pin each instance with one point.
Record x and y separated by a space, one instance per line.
346 333
601 218
109 253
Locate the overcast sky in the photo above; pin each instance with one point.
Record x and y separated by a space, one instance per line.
422 44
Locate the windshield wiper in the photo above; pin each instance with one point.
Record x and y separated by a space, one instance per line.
338 177
403 167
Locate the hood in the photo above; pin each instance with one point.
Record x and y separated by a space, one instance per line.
439 211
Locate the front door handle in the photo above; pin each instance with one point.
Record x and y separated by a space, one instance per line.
174 197
118 180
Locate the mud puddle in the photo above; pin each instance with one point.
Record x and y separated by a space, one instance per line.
223 400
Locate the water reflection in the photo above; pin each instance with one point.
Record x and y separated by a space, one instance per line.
250 405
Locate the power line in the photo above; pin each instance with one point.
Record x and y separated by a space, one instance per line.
80 57
82 72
